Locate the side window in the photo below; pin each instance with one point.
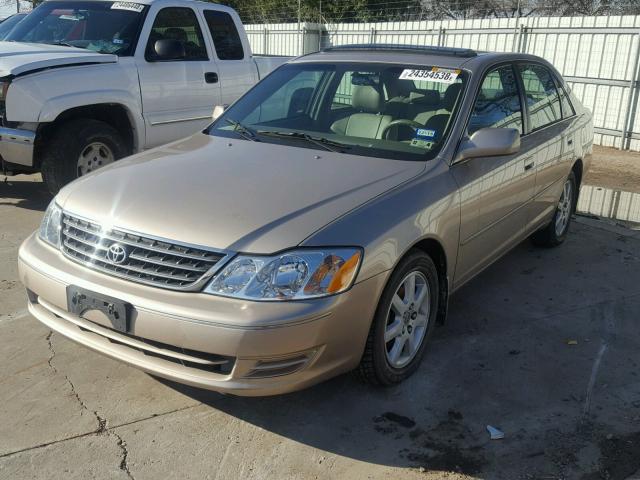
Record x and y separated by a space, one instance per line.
543 101
225 35
498 102
178 24
567 108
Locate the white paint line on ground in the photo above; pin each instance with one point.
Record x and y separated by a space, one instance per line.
594 375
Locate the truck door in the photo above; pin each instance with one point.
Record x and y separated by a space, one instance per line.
178 95
236 69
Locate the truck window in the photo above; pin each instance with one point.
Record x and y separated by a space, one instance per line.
175 23
225 35
105 27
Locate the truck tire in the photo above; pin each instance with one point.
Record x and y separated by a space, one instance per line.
78 147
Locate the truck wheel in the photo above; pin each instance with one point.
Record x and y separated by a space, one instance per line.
403 322
79 147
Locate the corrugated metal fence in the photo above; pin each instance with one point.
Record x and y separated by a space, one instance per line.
598 56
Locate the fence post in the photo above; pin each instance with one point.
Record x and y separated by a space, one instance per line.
441 34
627 125
372 35
265 41
522 39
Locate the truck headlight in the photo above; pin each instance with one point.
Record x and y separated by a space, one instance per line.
293 275
51 225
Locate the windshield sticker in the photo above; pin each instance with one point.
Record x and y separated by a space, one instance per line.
423 132
421 143
440 75
132 7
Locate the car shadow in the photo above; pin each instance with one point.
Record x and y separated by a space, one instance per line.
24 191
503 359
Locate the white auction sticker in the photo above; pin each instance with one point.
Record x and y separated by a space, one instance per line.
440 75
132 7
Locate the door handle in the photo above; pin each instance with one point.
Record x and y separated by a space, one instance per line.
570 141
529 166
211 77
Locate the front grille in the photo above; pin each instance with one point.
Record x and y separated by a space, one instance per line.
136 258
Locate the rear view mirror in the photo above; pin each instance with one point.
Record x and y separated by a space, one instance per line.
169 49
490 142
217 111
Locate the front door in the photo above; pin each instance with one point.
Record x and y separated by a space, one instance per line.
177 97
494 190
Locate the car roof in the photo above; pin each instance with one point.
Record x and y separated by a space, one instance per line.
413 55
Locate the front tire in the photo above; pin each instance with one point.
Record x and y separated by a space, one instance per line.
403 322
556 231
78 147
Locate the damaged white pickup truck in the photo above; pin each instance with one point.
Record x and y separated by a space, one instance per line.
84 83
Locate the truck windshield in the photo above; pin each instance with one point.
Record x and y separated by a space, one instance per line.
383 110
104 27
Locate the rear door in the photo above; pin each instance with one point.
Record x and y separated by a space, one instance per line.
177 95
237 72
546 133
495 191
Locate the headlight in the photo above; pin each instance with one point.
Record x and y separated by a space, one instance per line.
51 224
293 275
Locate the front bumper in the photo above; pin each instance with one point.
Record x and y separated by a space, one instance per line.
16 146
270 347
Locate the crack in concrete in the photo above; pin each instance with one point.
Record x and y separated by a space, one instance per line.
106 429
102 427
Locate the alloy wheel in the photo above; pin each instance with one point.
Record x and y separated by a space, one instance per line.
407 319
564 208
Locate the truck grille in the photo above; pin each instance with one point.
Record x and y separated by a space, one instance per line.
136 257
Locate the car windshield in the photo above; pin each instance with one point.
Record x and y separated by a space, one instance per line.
9 24
104 27
390 111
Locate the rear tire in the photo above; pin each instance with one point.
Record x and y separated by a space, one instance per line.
78 147
384 361
556 231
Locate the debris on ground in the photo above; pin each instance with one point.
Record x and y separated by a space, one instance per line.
401 420
494 433
572 342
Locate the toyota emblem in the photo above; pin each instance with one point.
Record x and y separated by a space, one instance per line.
117 254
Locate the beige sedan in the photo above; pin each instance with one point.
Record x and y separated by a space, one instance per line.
319 225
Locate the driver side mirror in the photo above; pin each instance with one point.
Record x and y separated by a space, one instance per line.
218 110
169 49
490 142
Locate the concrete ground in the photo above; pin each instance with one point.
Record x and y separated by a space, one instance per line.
543 345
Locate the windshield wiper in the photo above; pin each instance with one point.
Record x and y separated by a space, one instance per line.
325 143
63 44
244 131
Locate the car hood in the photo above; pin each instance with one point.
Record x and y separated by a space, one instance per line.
19 58
232 194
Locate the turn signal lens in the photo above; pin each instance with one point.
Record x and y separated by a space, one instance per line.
293 275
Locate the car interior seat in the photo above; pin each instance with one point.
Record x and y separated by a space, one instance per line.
368 121
440 120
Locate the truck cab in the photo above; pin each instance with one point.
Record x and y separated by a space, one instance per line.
85 83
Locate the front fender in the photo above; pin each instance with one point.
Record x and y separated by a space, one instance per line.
54 107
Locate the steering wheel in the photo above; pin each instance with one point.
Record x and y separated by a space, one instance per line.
401 122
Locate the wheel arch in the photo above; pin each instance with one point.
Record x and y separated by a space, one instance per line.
116 115
435 249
